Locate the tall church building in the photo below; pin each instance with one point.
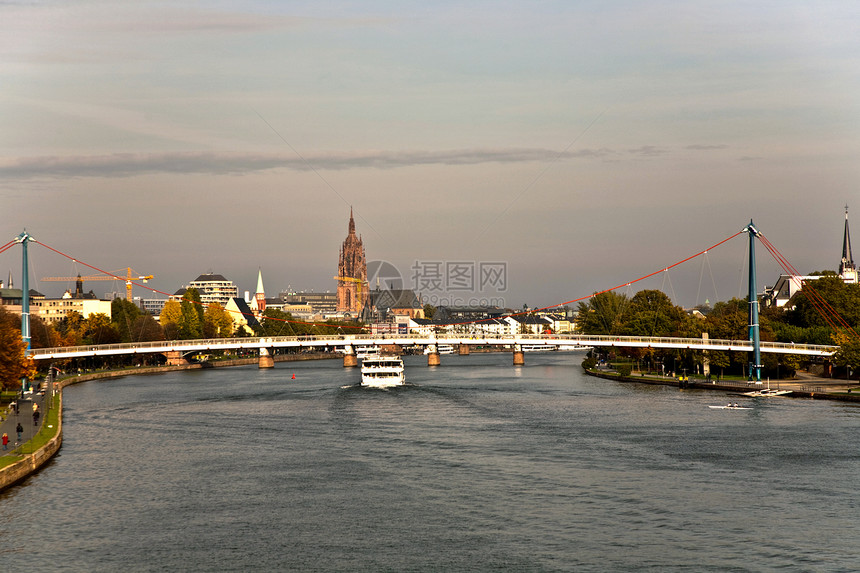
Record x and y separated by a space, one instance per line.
352 291
847 270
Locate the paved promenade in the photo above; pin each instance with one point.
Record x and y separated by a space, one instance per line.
24 416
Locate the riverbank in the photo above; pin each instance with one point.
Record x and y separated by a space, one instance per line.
805 387
48 441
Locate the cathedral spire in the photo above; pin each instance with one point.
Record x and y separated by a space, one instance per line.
351 222
847 258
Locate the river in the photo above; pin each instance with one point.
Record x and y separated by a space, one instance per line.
475 466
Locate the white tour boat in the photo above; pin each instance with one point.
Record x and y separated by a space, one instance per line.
539 347
382 372
441 349
366 352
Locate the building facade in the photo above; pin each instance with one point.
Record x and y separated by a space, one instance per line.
352 291
321 303
214 288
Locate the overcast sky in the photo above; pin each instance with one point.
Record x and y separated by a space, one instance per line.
582 144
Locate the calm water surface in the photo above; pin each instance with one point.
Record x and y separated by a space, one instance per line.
477 466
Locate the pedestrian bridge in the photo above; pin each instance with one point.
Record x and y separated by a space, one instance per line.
350 343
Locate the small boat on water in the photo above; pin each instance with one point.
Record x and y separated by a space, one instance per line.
382 372
767 393
730 407
539 347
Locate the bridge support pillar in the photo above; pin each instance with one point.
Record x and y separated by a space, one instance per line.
706 361
433 358
350 360
463 350
266 359
175 358
519 357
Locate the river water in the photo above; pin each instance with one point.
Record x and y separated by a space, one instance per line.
476 466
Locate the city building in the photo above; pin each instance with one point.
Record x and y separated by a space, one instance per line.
466 313
528 324
352 291
394 302
213 288
322 303
153 306
244 321
55 309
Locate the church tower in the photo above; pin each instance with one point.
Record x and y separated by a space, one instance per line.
847 270
352 292
260 295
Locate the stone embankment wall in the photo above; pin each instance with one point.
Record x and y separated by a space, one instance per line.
724 387
14 473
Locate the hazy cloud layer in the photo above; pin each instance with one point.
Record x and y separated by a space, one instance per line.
129 164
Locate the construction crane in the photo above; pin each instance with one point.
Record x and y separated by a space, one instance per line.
358 290
112 277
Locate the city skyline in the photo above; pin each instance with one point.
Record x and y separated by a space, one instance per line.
581 145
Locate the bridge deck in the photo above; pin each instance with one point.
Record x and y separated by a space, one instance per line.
359 340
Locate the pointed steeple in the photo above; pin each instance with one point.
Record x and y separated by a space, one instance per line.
847 259
260 288
351 222
260 295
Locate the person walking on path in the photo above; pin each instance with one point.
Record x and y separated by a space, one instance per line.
35 417
5 441
20 430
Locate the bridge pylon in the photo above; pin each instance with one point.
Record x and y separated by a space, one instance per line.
350 360
266 359
519 355
755 364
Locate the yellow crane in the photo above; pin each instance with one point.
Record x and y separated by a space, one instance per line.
358 290
113 277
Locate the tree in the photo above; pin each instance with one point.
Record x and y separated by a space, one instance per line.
100 330
171 316
848 354
14 363
602 314
147 329
43 334
429 310
72 328
217 322
719 359
191 322
124 315
279 323
809 310
651 313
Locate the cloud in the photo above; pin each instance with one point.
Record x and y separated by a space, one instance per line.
700 147
647 151
130 164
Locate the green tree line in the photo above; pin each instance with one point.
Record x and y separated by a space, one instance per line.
652 313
